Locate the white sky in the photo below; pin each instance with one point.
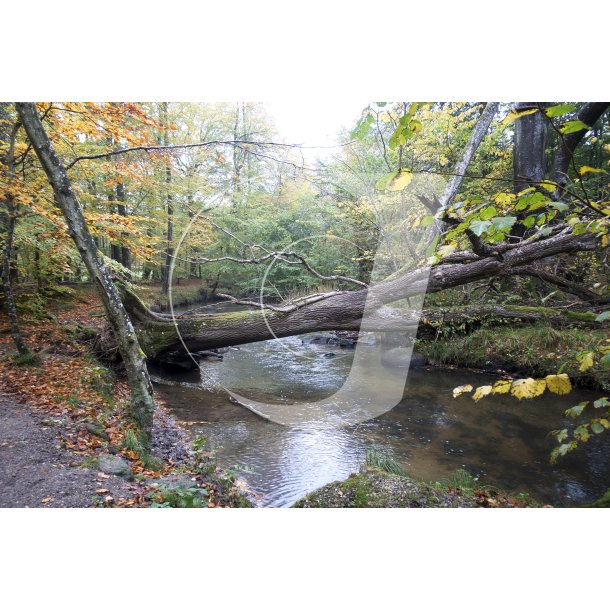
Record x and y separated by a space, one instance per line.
314 122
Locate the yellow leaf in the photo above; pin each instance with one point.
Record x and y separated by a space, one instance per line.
558 384
401 181
45 500
502 386
586 361
461 390
514 114
504 198
586 169
551 187
528 388
481 391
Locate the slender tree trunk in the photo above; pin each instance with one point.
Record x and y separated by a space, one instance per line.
7 283
169 251
125 255
7 137
142 401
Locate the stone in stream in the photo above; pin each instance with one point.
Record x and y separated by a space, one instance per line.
113 464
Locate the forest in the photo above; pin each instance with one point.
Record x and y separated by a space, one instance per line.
198 311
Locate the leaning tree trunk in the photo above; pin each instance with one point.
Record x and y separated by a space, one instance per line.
142 401
161 335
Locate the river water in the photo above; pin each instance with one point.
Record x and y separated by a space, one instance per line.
499 439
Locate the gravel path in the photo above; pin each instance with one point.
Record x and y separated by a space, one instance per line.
36 472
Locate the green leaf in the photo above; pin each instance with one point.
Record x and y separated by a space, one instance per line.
560 205
605 361
600 403
559 110
603 316
577 410
432 247
488 212
561 435
428 220
478 227
582 432
573 127
362 126
597 428
503 223
529 221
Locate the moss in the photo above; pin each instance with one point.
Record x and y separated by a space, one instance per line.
603 502
374 488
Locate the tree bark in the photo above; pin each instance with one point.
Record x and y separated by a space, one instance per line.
343 311
142 401
529 156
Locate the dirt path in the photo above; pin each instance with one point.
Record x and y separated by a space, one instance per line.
36 472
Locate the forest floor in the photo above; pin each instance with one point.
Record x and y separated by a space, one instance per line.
65 435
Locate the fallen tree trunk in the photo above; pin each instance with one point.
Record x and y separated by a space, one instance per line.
159 334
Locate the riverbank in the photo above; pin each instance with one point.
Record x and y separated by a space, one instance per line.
374 488
530 351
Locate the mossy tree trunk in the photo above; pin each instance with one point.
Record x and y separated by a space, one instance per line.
142 401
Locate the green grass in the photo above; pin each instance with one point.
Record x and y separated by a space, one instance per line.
382 460
132 442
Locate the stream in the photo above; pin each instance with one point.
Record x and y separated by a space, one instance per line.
501 440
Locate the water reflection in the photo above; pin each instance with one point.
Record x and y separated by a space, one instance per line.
503 441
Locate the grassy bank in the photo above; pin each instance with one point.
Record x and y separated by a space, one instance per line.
377 488
529 350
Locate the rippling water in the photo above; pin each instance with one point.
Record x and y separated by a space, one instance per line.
503 441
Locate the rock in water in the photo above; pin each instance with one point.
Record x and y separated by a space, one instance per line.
114 464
